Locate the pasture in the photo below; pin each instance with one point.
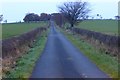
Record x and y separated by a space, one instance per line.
109 27
15 29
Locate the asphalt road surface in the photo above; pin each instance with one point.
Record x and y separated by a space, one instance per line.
60 59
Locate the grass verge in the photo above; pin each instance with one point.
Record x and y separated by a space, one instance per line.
26 63
105 62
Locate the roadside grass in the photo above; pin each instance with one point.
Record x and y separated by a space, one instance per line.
15 29
26 63
105 62
109 27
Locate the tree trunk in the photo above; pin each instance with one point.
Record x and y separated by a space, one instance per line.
71 28
72 25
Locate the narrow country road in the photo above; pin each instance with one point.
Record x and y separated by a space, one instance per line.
60 59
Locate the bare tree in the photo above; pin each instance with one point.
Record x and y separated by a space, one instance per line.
73 11
5 21
1 18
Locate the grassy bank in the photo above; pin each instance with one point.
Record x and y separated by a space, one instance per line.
105 62
15 29
26 63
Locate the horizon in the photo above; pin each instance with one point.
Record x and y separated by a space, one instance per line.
13 11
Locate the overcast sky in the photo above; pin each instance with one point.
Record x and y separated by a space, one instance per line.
15 10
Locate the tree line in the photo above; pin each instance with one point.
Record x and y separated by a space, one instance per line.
35 17
71 12
57 17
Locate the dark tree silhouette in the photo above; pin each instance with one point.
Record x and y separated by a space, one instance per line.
117 17
98 15
44 17
1 18
58 18
73 11
35 17
31 17
5 21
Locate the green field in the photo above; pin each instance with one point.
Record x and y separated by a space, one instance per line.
15 29
104 26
